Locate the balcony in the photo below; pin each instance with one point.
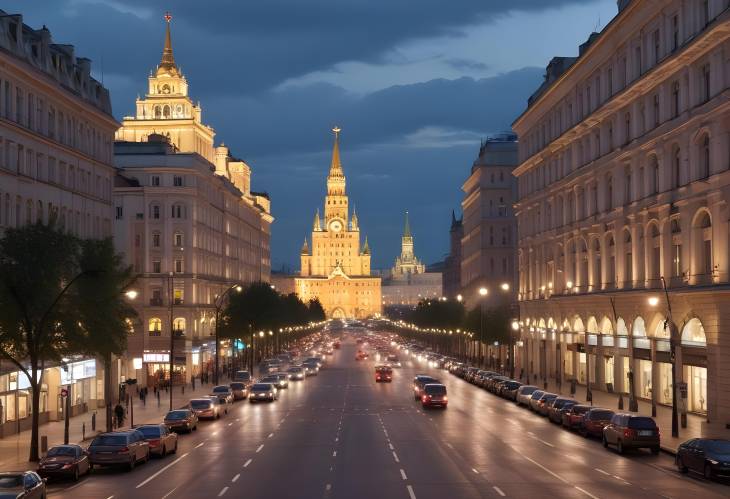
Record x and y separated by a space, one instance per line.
178 333
179 301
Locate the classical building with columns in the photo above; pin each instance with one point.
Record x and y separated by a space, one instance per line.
624 183
187 221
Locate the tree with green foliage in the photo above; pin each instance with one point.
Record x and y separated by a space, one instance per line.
51 288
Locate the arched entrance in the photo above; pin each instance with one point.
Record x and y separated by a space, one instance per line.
338 313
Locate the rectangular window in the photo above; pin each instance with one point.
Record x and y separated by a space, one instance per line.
177 181
706 90
156 212
155 181
155 240
178 293
676 260
657 54
178 239
178 266
156 266
675 32
119 212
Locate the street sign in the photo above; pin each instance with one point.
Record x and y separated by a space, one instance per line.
64 392
682 390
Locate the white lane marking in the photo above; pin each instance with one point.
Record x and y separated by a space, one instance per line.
223 491
451 446
403 474
621 479
245 465
200 445
259 448
475 471
110 497
395 456
546 443
230 424
168 494
585 492
235 478
238 419
271 435
391 446
337 439
214 433
543 468
142 484
410 492
328 487
601 471
499 491
334 454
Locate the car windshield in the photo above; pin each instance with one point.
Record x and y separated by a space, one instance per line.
237 386
642 423
150 431
605 415
109 440
243 375
435 389
295 369
200 404
220 389
537 394
11 481
528 390
270 379
719 446
262 387
580 409
61 451
177 415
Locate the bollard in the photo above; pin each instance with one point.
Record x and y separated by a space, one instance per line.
44 444
83 431
93 421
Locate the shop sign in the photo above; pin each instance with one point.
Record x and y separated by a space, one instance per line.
75 371
156 357
682 390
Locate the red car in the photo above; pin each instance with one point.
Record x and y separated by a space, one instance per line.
361 355
434 395
574 417
594 421
383 373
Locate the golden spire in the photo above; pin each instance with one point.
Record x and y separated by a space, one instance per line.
168 60
336 166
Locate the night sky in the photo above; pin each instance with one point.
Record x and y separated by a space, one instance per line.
414 86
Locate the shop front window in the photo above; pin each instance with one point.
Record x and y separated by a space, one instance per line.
643 379
625 373
608 365
582 368
664 396
568 363
696 379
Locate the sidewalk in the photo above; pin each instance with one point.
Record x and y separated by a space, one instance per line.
14 449
663 413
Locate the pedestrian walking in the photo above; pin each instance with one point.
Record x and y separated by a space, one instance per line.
158 398
119 413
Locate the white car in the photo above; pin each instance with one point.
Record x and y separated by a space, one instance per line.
524 394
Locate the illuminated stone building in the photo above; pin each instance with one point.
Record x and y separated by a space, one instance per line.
336 268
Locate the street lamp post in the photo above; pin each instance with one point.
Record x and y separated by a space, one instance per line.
218 305
673 334
171 291
483 292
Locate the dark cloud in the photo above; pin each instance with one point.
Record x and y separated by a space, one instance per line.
466 64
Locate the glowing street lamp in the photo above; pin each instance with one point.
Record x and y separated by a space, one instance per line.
505 286
483 291
131 294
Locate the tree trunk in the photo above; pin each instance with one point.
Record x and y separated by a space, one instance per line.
108 390
36 404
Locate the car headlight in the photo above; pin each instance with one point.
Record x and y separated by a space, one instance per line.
712 461
270 394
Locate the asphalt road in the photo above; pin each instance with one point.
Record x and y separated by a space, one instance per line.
341 435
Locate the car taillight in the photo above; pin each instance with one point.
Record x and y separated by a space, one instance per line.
446 398
628 433
425 398
124 449
155 441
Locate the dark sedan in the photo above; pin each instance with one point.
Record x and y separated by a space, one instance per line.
119 447
711 457
181 420
64 461
22 484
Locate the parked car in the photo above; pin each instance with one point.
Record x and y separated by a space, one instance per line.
204 408
160 439
126 447
627 431
535 398
239 389
25 484
524 394
262 391
594 421
223 392
434 395
559 406
573 417
711 457
510 389
64 461
181 420
419 382
383 373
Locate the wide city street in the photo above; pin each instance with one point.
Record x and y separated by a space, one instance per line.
341 435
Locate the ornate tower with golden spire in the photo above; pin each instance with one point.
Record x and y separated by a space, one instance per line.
168 110
335 268
407 263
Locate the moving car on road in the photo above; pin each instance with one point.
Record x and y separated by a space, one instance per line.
383 374
393 360
160 439
223 392
119 447
711 457
311 367
204 408
360 355
25 484
278 380
627 431
262 391
181 420
243 377
419 382
64 461
296 373
239 389
434 395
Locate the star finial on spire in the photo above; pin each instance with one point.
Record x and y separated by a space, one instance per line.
168 16
337 131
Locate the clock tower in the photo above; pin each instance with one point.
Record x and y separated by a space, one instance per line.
336 268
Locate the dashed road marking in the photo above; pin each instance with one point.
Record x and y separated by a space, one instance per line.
395 456
450 446
391 446
475 471
168 494
230 424
235 478
499 491
223 491
247 463
410 492
334 454
200 445
214 433
585 492
271 435
259 448
328 487
601 471
403 474
148 480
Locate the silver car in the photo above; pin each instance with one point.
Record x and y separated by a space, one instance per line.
262 391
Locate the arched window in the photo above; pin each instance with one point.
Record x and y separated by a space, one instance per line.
158 112
704 157
596 250
611 261
677 166
178 325
166 111
702 251
653 246
677 263
628 260
693 334
654 172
